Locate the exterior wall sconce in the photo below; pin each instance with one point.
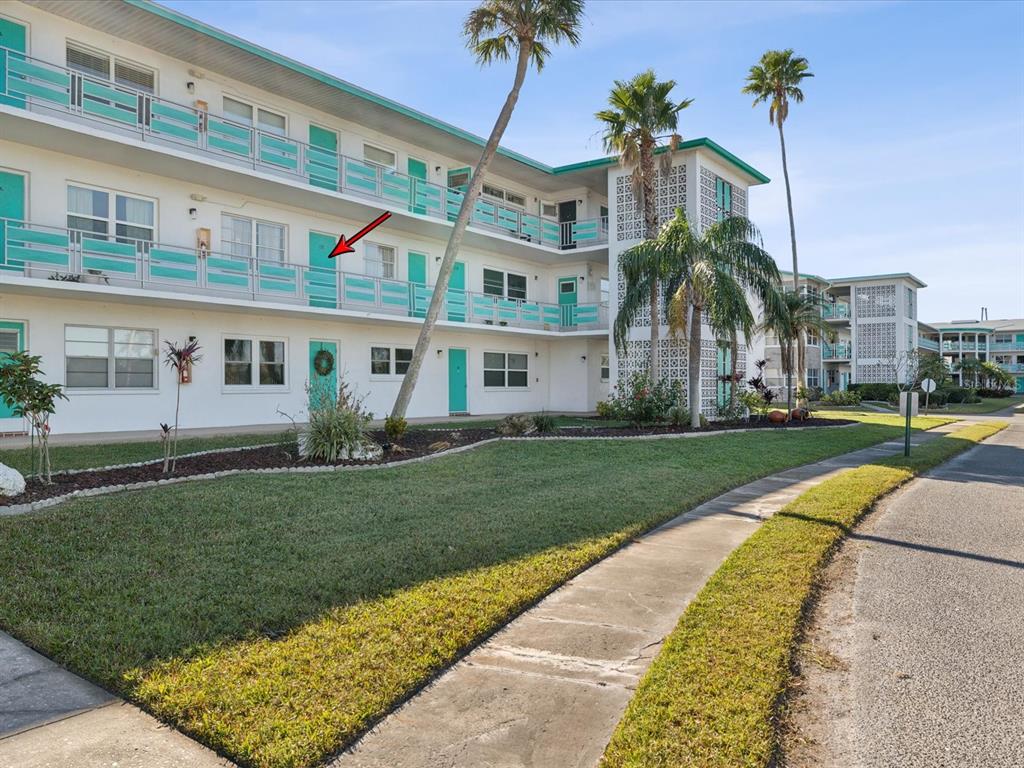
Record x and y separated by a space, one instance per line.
190 86
193 213
440 352
583 358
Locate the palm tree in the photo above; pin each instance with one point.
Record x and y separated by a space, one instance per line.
969 369
790 317
708 272
640 115
932 366
776 79
494 30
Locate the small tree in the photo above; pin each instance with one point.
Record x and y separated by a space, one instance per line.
24 392
179 359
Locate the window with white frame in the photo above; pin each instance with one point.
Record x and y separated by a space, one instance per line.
507 284
550 210
605 292
379 156
241 112
506 370
254 362
813 339
605 369
100 65
390 361
381 260
506 195
813 377
238 235
109 358
101 212
1002 338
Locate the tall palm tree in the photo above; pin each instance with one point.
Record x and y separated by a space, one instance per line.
494 30
969 369
790 317
776 80
641 114
706 277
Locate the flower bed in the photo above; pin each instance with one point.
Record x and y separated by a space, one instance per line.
415 444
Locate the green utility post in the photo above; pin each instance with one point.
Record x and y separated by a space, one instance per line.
906 436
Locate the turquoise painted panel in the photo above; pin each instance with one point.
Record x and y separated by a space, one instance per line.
172 273
272 270
483 307
322 157
109 112
586 314
549 232
322 167
105 92
23 235
530 313
37 255
271 285
395 186
484 212
227 146
174 113
584 230
13 37
508 309
428 197
227 265
552 314
108 265
173 129
453 201
228 129
458 389
37 72
394 295
173 257
285 156
108 247
237 281
530 225
421 299
360 176
508 219
40 92
281 145
456 300
360 289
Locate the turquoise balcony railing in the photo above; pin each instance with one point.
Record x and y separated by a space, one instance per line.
929 344
1006 346
35 251
1012 367
835 311
840 351
956 346
37 85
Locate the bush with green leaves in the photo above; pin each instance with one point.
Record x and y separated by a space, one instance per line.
545 423
641 401
841 397
395 428
337 426
515 425
678 416
965 395
28 396
881 392
605 409
994 392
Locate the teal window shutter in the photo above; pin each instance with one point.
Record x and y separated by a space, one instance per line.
719 197
727 197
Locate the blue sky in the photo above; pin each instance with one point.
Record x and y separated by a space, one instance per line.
908 154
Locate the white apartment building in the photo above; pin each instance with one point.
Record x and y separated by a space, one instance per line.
997 341
163 180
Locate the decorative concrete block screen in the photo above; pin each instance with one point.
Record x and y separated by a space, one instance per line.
670 192
875 301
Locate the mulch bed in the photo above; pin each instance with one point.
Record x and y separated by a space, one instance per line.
416 443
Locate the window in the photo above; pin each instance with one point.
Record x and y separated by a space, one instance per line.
252 362
605 369
505 369
266 121
813 377
911 310
109 358
379 156
238 235
8 342
507 284
89 210
1002 338
549 209
812 339
910 338
604 290
459 179
380 260
387 361
723 198
505 194
98 65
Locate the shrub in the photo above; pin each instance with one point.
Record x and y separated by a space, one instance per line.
605 410
545 423
808 394
998 392
962 395
515 425
840 397
761 396
936 399
23 390
734 412
395 428
641 401
678 416
885 392
336 426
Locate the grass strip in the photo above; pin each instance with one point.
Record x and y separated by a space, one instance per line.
711 695
64 457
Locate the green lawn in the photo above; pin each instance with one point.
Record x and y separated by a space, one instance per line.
561 421
987 405
104 454
275 617
711 696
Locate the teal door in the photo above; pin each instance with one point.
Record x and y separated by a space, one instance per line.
724 369
1020 385
12 206
458 395
419 296
323 371
844 381
12 339
567 300
12 36
457 293
322 158
417 174
321 283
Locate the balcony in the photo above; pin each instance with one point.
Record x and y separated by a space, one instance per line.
929 344
840 351
55 254
1006 346
836 311
39 86
966 346
1012 367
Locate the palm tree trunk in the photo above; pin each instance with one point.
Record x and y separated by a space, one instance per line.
693 368
647 186
458 231
734 352
789 205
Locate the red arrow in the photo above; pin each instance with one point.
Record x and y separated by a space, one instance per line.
345 246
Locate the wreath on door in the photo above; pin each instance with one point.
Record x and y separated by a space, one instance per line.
323 363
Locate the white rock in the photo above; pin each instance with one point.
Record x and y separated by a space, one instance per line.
11 481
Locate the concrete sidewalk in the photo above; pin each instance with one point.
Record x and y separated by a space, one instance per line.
549 688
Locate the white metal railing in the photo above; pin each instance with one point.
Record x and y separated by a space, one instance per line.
929 344
36 84
54 253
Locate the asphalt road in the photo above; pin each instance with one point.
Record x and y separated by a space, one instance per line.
937 655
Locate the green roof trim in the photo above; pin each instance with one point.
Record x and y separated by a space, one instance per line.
225 37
